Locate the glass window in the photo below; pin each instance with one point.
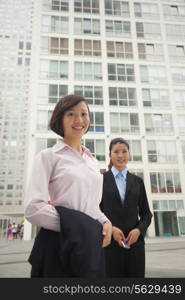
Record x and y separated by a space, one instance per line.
119 49
180 204
148 30
135 150
156 204
146 10
150 51
121 72
87 47
93 94
181 124
175 32
178 75
86 26
86 6
97 148
122 96
117 8
158 124
153 74
118 28
165 182
124 123
96 121
155 98
88 71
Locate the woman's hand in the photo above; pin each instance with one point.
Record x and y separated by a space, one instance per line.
107 233
118 235
133 236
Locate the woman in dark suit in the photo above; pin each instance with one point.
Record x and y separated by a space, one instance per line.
125 203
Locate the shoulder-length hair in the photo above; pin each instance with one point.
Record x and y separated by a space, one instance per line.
64 104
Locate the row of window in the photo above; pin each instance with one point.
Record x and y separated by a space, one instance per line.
124 123
118 96
115 28
54 69
117 49
167 205
118 8
158 151
161 182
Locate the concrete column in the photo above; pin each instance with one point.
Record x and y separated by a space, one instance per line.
27 230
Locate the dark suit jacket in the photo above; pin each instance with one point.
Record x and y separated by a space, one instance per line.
134 213
75 251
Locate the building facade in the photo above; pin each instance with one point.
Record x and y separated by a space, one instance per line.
128 59
15 58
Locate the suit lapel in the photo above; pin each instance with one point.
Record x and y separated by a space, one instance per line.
112 183
128 184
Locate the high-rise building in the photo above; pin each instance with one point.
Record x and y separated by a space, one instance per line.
15 58
128 59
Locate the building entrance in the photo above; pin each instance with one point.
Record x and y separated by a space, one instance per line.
166 223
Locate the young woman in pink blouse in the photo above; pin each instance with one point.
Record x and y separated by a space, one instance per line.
66 174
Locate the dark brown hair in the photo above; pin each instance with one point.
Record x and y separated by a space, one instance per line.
61 107
114 142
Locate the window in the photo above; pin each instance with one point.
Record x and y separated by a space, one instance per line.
118 28
165 182
119 49
54 45
58 24
135 150
21 45
148 30
167 204
138 173
162 151
179 97
42 144
43 118
155 98
86 26
181 124
53 69
124 123
28 46
88 71
122 96
56 5
27 61
174 12
178 75
176 52
153 74
51 93
175 32
158 124
86 6
146 10
97 148
87 47
150 52
121 72
19 61
9 186
92 94
117 8
96 122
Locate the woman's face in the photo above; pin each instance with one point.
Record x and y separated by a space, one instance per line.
119 156
76 121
